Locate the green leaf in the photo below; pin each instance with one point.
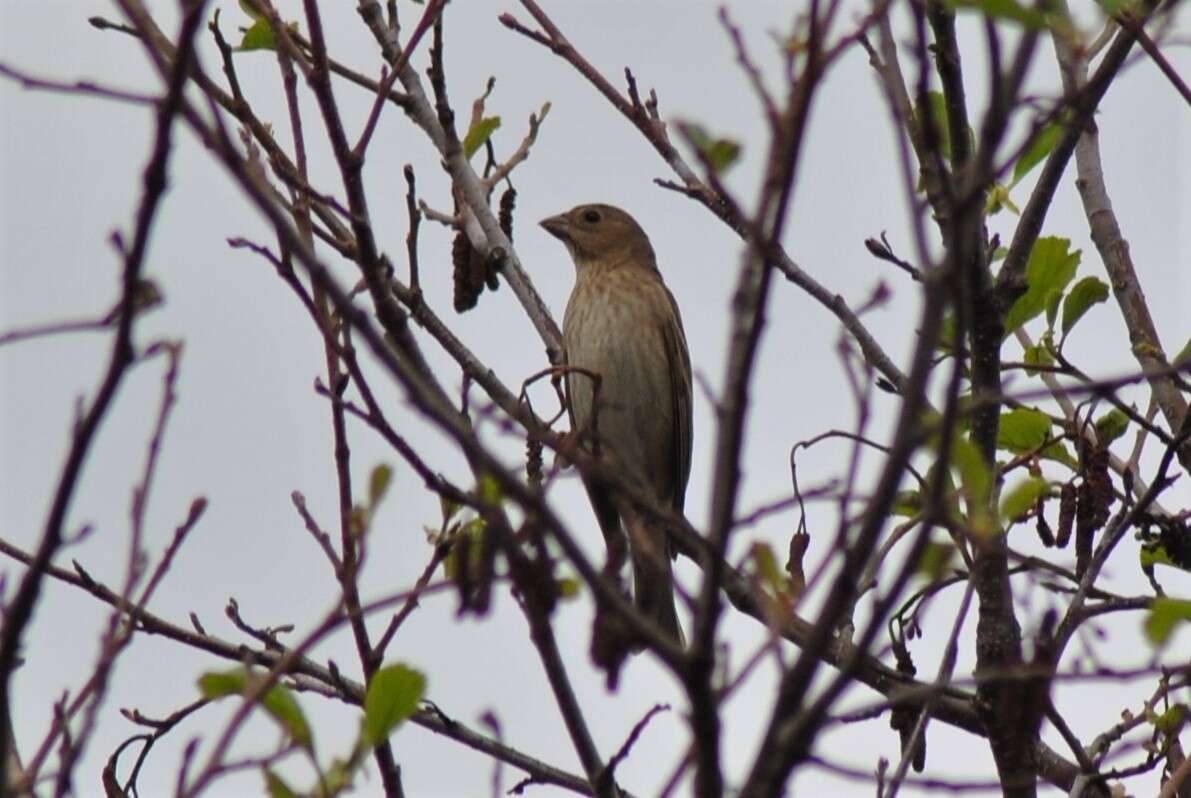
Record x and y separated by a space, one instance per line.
1037 355
1111 425
1004 9
259 36
1152 554
449 509
1037 152
1171 721
247 8
1059 453
720 153
567 587
907 503
998 198
947 333
490 492
767 568
339 776
279 702
393 695
218 684
466 542
276 787
1085 293
1052 309
1022 430
973 474
1017 501
935 115
1165 614
999 254
1183 358
935 559
378 484
479 132
1051 266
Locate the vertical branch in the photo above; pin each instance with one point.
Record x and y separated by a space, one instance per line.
1114 249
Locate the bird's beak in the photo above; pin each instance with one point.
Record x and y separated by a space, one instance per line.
558 226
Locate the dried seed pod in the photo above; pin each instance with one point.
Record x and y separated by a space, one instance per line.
508 201
1067 502
533 462
1044 531
468 272
492 267
1100 486
903 719
1085 533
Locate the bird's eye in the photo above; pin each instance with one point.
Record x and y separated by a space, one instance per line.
591 216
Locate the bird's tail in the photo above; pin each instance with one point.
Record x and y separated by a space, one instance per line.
653 583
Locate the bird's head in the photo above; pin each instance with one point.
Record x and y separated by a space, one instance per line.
601 235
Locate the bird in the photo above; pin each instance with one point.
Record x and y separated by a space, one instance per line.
622 324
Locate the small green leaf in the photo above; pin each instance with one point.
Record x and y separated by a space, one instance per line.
1171 721
218 684
567 587
1022 430
490 492
1152 554
1037 152
999 254
449 509
1009 10
907 503
247 8
934 114
479 132
466 542
1016 502
1111 425
339 776
1085 293
947 333
278 701
1037 355
935 559
1051 266
1059 453
275 786
1053 299
378 484
767 568
393 695
720 153
973 474
1165 614
998 198
259 36
1112 7
1183 358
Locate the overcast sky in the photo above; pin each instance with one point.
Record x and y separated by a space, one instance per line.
249 429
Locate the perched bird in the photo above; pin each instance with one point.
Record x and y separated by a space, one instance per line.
622 324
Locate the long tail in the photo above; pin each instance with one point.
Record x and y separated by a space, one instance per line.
653 579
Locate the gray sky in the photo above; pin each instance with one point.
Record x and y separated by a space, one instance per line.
248 428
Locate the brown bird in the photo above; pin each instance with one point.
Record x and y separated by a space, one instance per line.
622 323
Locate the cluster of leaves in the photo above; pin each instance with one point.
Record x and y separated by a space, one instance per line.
392 697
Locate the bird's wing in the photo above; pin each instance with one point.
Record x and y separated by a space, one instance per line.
680 392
